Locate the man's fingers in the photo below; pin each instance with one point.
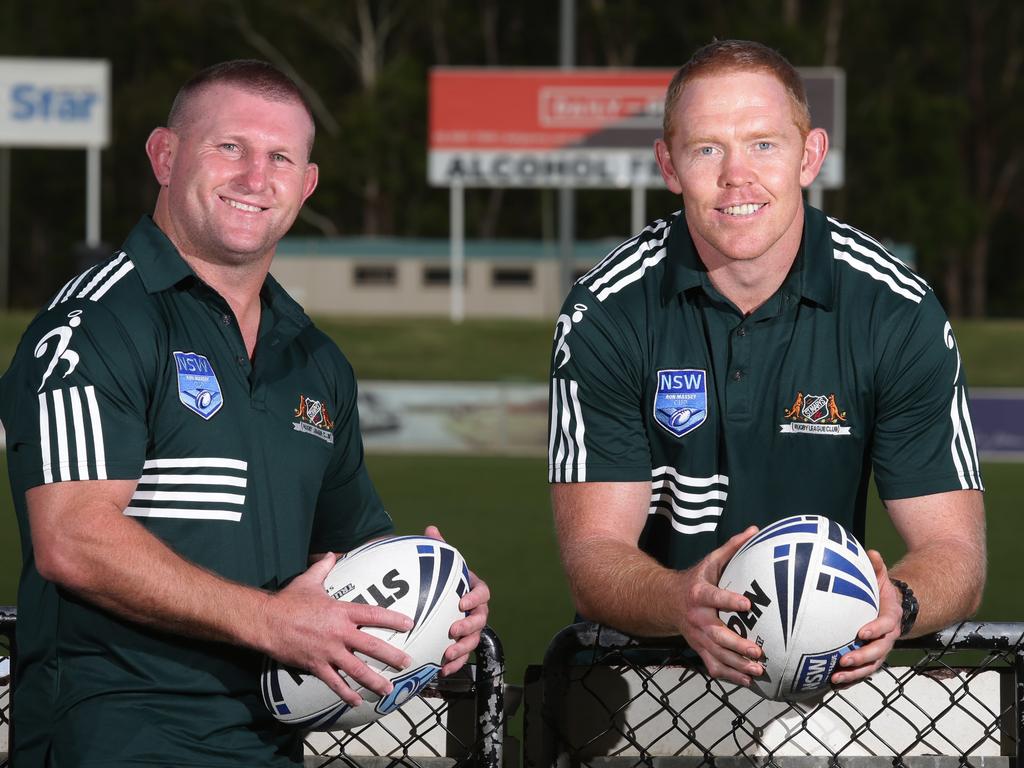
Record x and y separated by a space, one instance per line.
379 649
337 683
374 616
725 552
358 671
433 532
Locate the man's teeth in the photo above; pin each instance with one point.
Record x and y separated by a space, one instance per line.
743 210
242 206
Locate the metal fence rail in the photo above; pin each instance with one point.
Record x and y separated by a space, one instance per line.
455 722
608 700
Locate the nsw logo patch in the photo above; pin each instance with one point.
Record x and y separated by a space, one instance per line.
198 388
681 400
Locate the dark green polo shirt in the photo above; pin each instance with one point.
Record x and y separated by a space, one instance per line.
137 370
736 420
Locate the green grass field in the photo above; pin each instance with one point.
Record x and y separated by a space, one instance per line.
496 509
432 349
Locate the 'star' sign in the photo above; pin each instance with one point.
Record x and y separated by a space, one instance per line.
54 102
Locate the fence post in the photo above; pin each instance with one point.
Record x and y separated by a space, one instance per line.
490 699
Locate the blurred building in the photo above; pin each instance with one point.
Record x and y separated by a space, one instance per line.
412 277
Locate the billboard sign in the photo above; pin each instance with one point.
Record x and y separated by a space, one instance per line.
54 102
578 128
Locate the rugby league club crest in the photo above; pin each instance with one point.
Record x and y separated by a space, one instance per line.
314 419
814 415
681 400
198 388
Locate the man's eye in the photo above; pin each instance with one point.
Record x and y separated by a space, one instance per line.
706 151
765 145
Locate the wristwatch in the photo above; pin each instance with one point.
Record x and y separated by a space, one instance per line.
910 606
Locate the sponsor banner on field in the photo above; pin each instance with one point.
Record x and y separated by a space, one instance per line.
997 416
505 418
448 417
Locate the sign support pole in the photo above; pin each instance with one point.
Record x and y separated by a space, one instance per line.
566 194
92 197
457 257
638 209
5 227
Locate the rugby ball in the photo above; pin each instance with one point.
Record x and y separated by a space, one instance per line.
421 577
811 588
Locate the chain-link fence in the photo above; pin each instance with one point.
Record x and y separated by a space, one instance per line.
457 721
8 616
607 700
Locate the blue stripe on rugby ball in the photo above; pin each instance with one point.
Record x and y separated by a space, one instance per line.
791 527
849 589
837 560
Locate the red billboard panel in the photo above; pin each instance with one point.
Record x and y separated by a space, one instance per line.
552 127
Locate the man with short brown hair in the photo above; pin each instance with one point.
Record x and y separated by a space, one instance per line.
748 359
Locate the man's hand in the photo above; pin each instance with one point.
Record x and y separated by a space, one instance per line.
465 632
725 654
878 636
307 629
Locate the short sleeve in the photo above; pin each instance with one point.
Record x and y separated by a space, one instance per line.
74 399
595 423
923 441
349 511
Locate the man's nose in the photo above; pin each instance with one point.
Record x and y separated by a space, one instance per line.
736 170
253 175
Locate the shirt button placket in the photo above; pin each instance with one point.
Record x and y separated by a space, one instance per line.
739 391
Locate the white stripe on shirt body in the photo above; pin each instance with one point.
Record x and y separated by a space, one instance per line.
191 492
691 504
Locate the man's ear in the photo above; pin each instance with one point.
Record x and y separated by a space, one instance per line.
815 149
161 147
309 181
668 173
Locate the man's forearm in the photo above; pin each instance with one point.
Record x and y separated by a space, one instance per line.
947 578
115 563
616 584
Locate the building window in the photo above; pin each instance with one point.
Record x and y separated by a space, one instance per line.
376 274
437 275
440 276
512 277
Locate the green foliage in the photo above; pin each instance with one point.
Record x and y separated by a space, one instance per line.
933 115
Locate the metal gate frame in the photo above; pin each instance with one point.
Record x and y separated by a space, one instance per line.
586 644
487 690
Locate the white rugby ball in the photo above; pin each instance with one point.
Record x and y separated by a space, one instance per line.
811 589
421 577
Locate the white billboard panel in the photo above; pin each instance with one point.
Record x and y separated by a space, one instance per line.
54 102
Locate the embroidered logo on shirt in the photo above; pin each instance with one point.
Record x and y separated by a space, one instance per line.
814 415
60 350
563 327
198 388
314 419
681 400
